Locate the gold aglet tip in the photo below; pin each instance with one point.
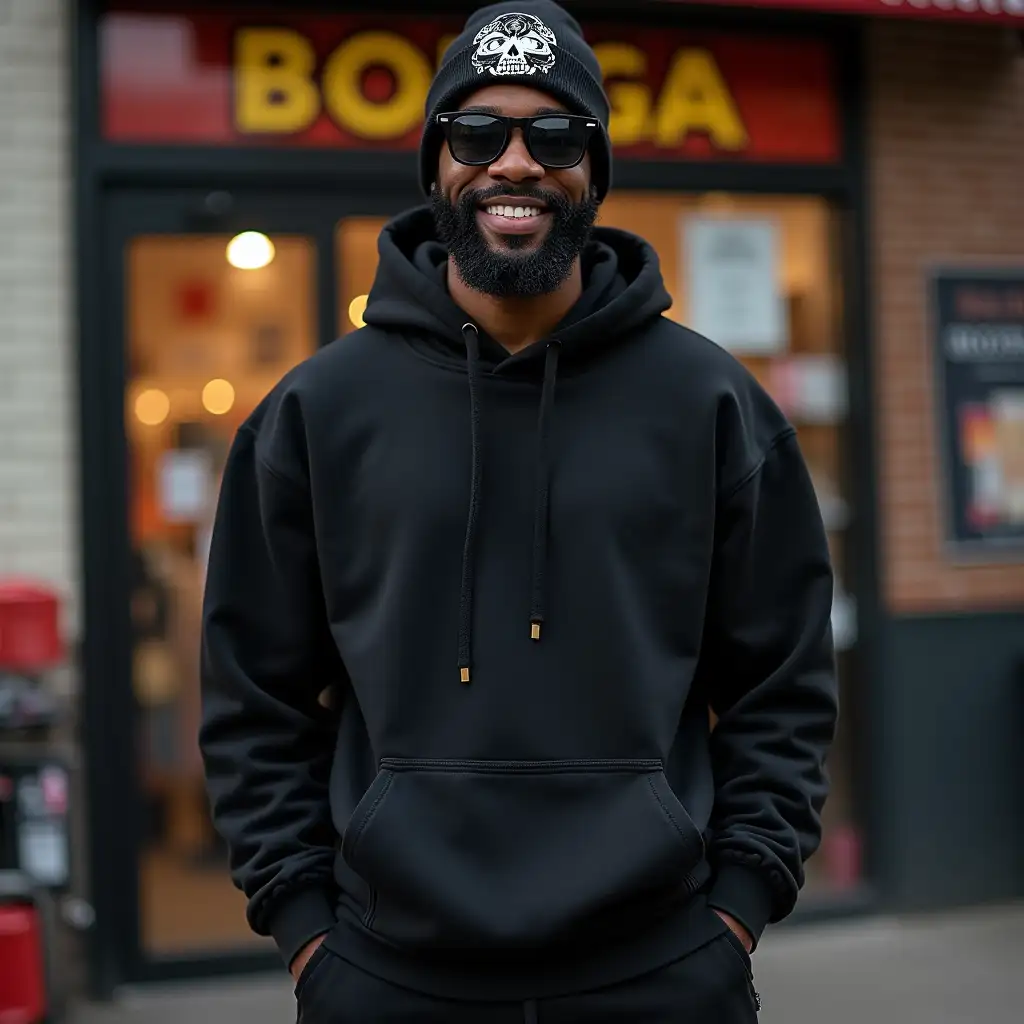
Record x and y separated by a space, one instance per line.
534 630
464 674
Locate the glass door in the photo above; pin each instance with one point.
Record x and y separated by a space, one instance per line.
213 298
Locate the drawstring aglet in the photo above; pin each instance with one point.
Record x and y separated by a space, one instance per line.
464 674
534 630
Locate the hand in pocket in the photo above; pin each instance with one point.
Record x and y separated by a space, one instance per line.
301 962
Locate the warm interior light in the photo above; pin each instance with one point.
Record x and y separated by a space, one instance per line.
356 309
152 407
724 202
250 250
218 397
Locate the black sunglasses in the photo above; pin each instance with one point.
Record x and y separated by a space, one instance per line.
555 141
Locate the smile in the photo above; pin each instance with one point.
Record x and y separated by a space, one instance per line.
507 212
512 216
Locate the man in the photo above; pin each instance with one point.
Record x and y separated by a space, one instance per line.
523 603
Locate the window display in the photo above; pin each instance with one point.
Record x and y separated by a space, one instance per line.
213 323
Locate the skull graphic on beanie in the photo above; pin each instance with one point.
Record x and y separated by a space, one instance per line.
514 44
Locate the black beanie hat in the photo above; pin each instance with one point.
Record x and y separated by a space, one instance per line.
560 63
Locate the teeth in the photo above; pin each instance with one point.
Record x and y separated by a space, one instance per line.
514 212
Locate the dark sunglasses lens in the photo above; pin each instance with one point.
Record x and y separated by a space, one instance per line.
558 141
476 138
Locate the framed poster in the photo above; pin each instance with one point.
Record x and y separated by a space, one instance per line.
978 337
733 283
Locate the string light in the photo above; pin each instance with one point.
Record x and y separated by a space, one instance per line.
218 397
356 309
152 407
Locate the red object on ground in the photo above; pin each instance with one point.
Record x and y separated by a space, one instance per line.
842 852
29 629
22 972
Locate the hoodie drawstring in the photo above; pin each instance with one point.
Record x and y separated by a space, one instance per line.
540 510
472 339
540 517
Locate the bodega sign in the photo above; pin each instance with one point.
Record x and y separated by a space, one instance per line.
355 82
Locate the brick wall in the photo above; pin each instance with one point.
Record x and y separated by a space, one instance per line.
946 136
37 458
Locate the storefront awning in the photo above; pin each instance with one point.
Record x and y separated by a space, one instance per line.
993 12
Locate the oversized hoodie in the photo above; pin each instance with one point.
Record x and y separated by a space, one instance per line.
467 615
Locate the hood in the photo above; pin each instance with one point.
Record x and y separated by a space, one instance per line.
622 291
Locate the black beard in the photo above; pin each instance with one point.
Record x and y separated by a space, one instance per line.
508 272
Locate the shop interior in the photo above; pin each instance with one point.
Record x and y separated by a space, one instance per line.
216 320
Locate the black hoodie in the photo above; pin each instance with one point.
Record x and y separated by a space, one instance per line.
605 534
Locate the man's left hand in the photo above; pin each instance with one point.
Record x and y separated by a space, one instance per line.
738 930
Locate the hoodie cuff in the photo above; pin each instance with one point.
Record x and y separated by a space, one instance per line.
745 895
300 918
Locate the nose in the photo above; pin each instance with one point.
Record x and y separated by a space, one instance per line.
516 164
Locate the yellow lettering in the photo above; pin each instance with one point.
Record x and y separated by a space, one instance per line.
274 87
344 96
631 101
695 98
442 46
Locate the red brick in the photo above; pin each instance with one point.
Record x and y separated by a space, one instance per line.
945 124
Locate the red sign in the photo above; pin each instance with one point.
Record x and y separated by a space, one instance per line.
995 12
360 81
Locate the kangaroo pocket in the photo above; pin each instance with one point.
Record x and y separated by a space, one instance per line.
484 854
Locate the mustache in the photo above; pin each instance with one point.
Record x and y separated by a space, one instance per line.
552 200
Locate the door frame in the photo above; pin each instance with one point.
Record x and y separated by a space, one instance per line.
115 798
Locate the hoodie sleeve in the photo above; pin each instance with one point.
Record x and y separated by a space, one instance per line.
768 665
267 742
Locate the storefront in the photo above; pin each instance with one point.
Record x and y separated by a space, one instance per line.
235 166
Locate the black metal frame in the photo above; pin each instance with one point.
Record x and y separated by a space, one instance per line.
127 180
861 463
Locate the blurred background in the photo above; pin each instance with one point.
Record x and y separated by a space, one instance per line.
191 196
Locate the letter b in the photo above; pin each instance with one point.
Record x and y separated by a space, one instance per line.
274 87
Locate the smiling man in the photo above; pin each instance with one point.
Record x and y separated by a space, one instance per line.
525 531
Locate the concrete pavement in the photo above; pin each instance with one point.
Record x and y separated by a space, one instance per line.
961 968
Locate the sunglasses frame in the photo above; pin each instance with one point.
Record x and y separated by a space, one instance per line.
446 121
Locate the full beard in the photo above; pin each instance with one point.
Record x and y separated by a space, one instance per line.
512 270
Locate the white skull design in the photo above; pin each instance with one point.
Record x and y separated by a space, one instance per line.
514 44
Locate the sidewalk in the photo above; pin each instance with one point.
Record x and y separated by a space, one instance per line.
957 969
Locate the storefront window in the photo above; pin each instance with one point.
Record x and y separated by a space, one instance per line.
213 323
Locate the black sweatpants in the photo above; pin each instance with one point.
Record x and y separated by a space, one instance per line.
712 985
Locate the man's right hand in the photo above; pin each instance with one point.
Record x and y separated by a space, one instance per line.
305 954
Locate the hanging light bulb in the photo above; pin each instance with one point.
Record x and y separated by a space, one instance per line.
251 250
356 309
218 397
152 407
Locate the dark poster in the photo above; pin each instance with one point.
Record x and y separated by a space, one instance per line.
979 345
